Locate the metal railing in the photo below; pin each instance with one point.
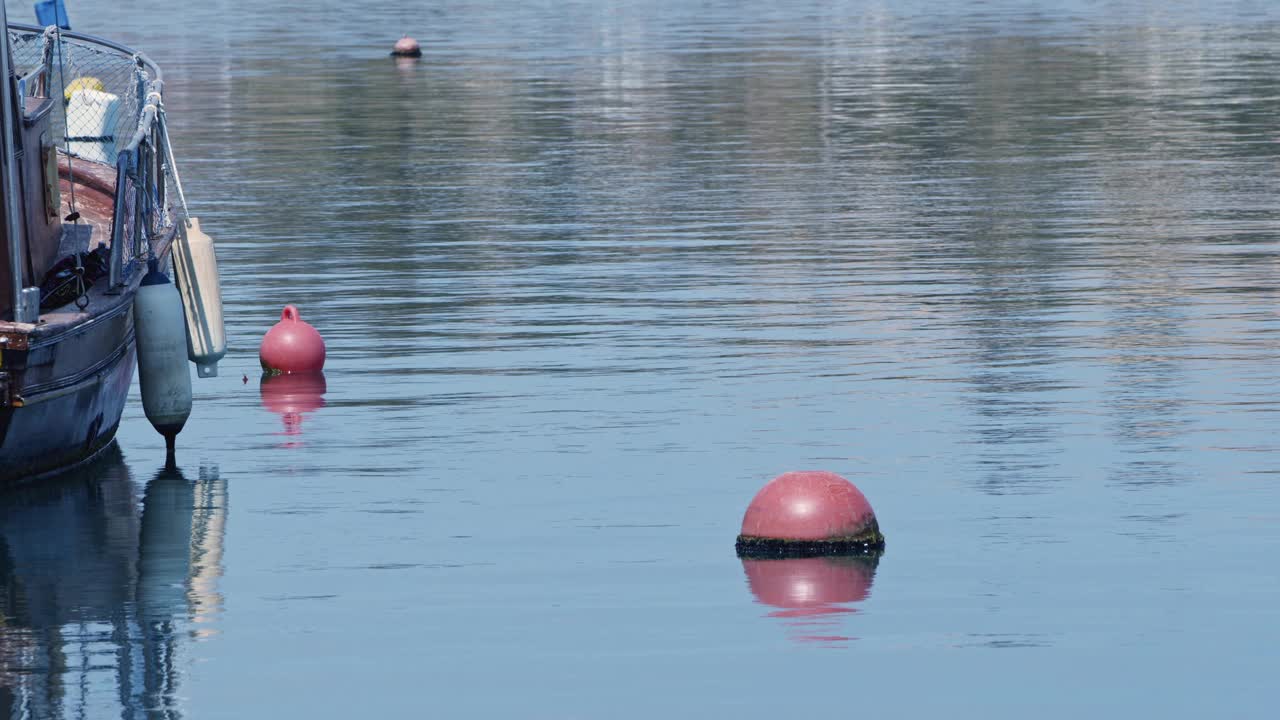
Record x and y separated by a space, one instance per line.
110 112
143 208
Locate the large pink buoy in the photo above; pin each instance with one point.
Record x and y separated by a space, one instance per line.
809 513
407 47
291 345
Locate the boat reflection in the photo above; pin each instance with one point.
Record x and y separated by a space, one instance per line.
98 590
292 396
810 594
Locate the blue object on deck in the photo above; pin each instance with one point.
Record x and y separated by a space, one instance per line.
52 12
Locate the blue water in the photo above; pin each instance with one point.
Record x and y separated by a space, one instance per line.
591 273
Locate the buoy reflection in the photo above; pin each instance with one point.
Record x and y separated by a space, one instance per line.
812 594
406 66
292 396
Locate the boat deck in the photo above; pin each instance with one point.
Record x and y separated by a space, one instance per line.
95 189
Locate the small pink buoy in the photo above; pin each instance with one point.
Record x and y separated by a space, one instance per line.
809 513
291 345
407 47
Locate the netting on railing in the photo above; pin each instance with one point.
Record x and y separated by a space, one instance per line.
146 189
100 89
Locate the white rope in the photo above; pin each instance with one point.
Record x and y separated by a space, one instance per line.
71 168
168 150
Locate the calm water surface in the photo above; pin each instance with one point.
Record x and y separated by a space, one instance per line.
590 273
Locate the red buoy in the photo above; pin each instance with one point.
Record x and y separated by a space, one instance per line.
291 345
809 513
407 47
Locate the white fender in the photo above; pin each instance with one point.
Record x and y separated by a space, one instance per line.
91 125
195 272
162 354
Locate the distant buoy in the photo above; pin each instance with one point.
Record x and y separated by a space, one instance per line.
809 513
291 345
406 47
161 339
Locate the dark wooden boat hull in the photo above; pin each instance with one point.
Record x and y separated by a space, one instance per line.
75 389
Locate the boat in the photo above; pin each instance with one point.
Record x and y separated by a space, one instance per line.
91 202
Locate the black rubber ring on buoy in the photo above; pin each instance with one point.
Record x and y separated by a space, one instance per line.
759 547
